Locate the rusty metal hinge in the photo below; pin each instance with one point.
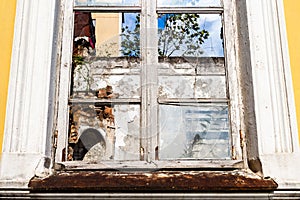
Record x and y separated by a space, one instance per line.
55 136
242 139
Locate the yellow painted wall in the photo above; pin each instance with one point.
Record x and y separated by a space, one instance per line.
7 17
292 14
107 39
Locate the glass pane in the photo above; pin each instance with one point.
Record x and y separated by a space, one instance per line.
194 132
190 3
106 35
106 57
87 84
192 86
190 35
104 132
107 2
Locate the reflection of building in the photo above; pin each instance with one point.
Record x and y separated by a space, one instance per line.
107 33
207 133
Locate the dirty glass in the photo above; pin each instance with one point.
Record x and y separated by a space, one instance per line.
104 103
190 3
107 2
106 56
192 86
194 131
192 75
103 131
203 78
190 35
106 35
91 82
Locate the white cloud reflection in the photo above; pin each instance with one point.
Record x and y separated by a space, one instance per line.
212 47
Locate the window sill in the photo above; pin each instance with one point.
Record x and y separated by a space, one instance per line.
152 181
150 166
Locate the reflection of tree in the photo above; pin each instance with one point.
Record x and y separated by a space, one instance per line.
81 67
130 43
181 35
178 34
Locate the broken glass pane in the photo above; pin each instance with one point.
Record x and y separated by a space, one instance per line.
107 2
103 132
190 35
190 3
196 131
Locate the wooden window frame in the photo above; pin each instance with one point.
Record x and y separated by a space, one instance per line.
149 102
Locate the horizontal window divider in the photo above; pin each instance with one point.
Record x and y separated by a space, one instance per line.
116 74
105 101
108 8
191 100
203 10
151 166
190 74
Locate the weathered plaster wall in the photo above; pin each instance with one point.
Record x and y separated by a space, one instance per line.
7 16
292 15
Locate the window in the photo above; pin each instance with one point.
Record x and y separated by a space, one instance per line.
149 81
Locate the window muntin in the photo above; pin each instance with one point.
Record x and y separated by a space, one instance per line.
190 3
216 68
107 2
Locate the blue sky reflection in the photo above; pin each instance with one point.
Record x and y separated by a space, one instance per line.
211 47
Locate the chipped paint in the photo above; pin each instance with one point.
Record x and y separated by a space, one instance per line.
167 181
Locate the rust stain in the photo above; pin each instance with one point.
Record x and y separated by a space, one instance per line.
151 181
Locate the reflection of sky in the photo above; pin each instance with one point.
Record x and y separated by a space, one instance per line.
129 20
212 46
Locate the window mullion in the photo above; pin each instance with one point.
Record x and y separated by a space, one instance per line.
107 9
149 79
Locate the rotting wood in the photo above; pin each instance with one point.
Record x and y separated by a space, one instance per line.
224 165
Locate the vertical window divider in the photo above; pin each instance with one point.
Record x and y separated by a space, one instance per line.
149 124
